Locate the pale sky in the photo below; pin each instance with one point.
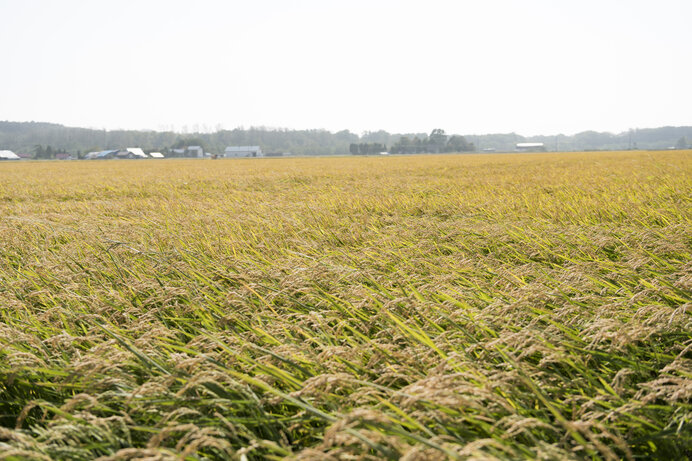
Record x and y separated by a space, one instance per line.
469 67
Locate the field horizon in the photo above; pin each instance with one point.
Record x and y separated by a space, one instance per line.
471 306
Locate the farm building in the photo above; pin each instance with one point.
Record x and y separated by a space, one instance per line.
243 151
195 151
130 152
8 155
189 151
155 155
102 155
530 147
137 152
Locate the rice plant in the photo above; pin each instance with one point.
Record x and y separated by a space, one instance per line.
438 307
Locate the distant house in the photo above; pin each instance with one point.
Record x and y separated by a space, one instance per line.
8 155
189 151
530 147
155 155
63 156
195 151
243 151
130 152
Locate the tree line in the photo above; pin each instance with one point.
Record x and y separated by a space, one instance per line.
25 137
366 148
438 142
47 152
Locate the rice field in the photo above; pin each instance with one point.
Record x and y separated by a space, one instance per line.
487 307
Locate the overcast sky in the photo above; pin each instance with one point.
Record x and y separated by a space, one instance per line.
470 67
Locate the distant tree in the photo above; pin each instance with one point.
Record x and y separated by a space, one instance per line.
681 144
380 136
458 143
437 139
45 153
185 142
407 146
367 148
417 145
403 146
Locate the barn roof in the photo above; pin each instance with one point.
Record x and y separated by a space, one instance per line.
8 155
137 152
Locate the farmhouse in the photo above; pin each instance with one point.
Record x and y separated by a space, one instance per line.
243 151
8 155
155 155
530 147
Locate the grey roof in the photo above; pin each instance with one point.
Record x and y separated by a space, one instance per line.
242 148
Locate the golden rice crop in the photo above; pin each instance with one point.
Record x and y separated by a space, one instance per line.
436 307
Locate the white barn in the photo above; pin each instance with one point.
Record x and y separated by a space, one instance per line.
530 147
137 152
8 155
243 151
